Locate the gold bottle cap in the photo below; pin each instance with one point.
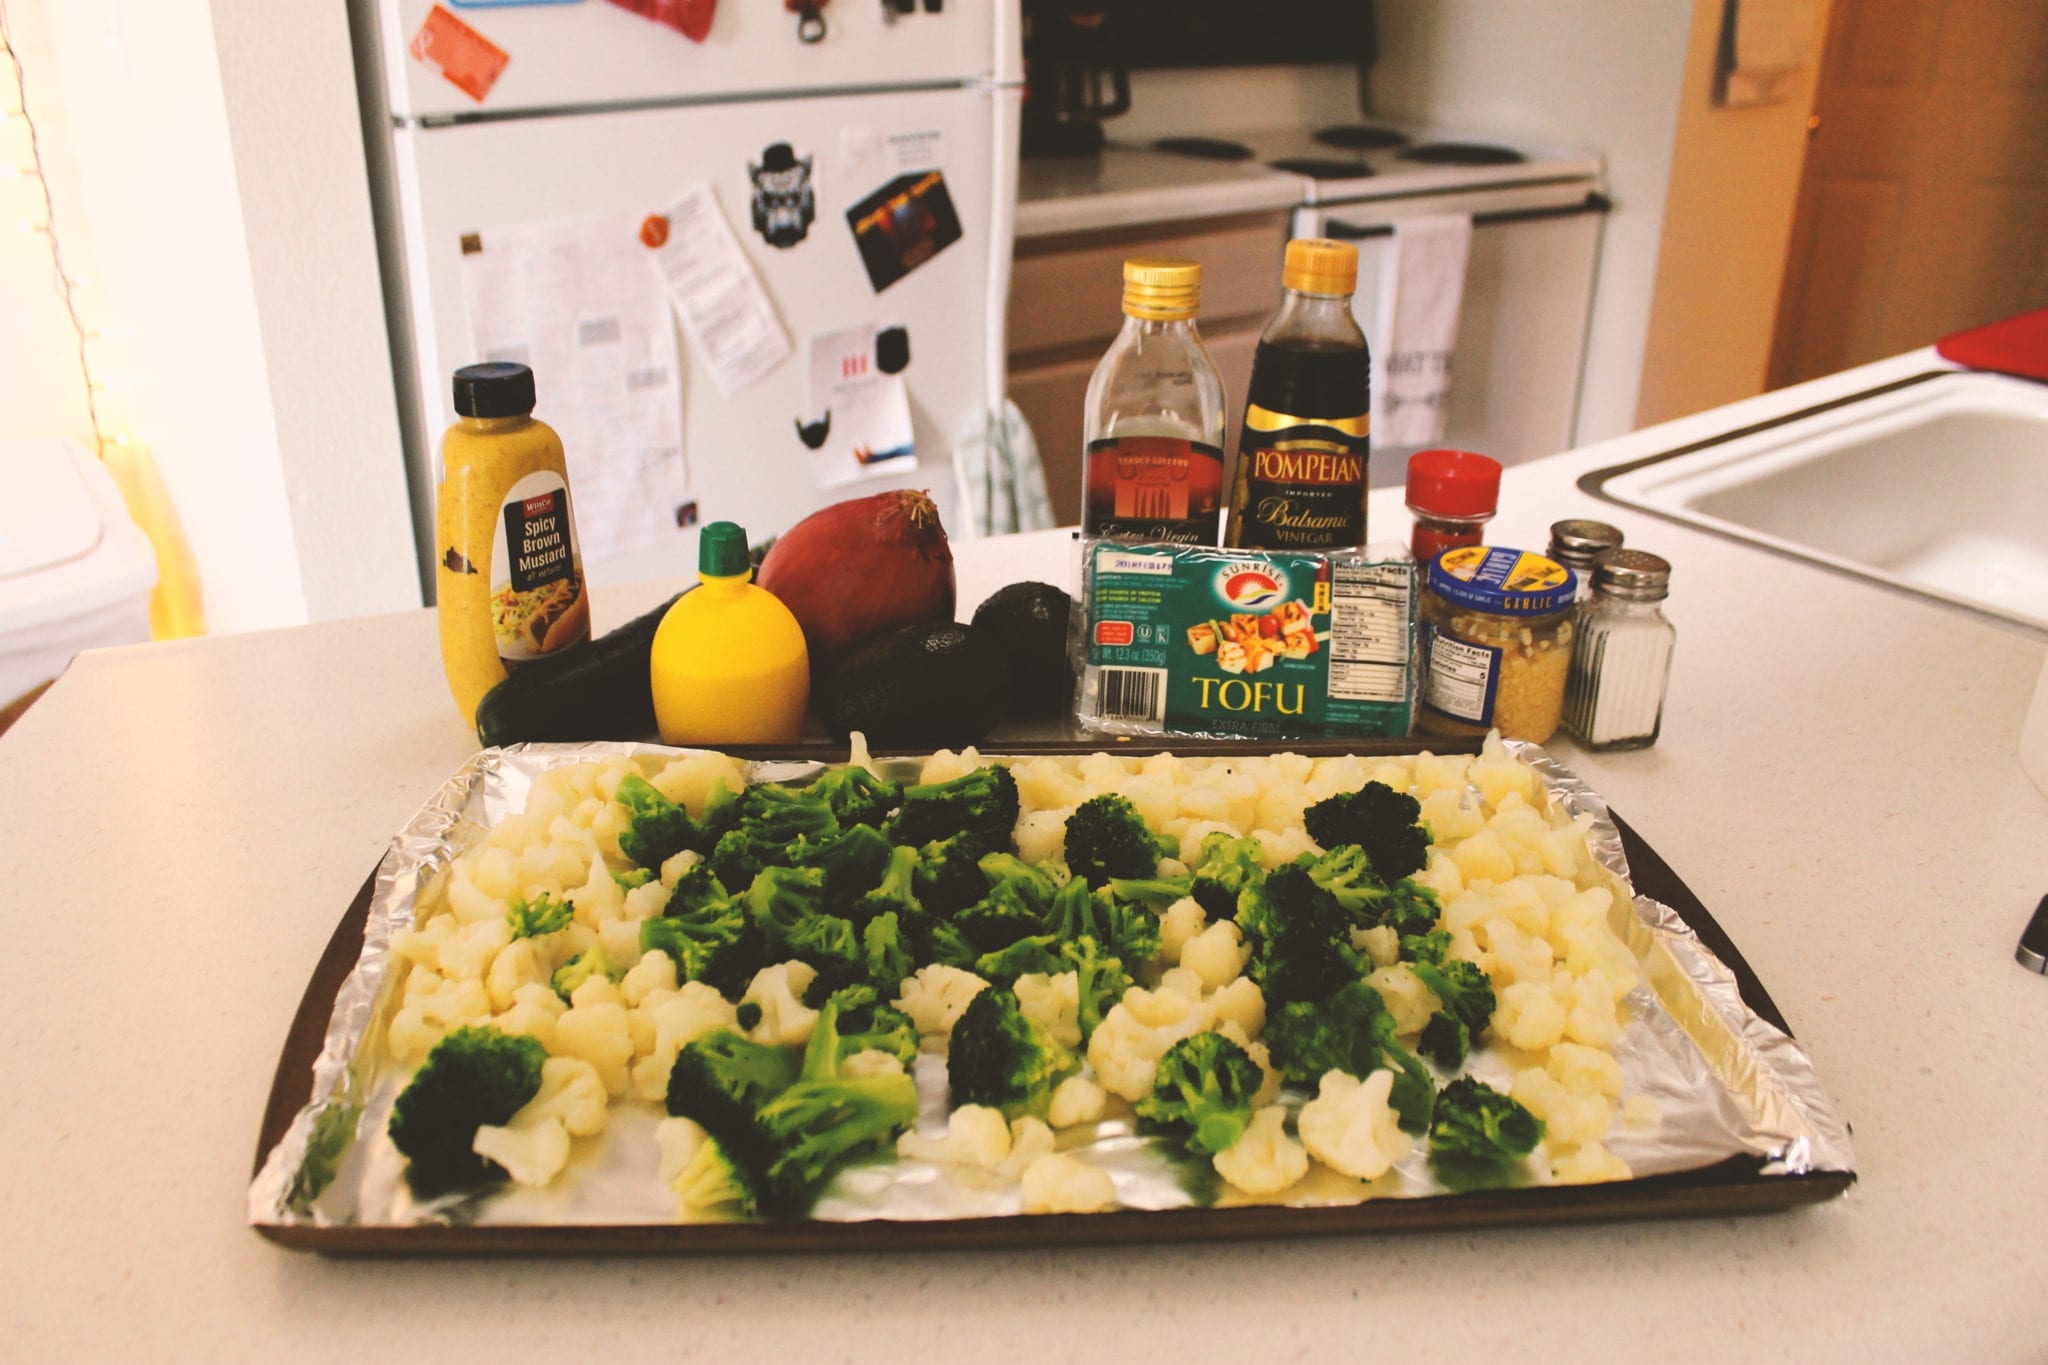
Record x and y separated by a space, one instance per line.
1162 288
1317 265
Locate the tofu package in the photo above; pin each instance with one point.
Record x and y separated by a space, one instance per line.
1235 644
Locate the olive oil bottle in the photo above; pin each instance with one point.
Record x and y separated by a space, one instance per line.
1301 460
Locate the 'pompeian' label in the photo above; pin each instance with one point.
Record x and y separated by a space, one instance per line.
1301 482
1200 641
1160 488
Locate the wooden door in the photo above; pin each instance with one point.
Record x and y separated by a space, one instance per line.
1923 208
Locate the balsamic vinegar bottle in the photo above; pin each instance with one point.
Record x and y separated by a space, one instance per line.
1154 421
1301 461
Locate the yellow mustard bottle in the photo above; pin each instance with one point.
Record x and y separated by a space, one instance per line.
729 665
510 577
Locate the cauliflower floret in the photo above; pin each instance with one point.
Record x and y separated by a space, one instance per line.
1241 1003
945 765
1333 775
421 944
530 1155
1181 981
601 1033
1585 1070
1065 1184
678 1018
468 952
654 972
597 989
1514 956
433 1008
1591 1164
1441 875
600 897
1045 784
779 992
688 781
620 939
645 902
1434 771
1484 858
1053 1003
571 1093
976 1135
1499 774
676 865
1042 834
1126 1046
1155 800
1569 1119
1030 1139
533 1012
933 997
1528 1016
1349 1127
1217 954
1407 999
1277 848
1381 944
1264 1160
1451 815
869 1063
1592 1015
1102 773
1075 1100
520 963
1182 921
1280 806
1191 837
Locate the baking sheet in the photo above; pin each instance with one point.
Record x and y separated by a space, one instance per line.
1745 1123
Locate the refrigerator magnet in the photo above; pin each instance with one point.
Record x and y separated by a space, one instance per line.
691 18
867 429
465 58
902 225
785 200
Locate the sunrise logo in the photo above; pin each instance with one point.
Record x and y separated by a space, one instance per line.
1250 587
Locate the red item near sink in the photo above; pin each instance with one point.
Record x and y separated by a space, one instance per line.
2018 345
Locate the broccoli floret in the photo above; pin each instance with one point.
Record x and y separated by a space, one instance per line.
721 1078
706 933
865 1024
806 1131
475 1076
747 1015
982 802
1224 866
581 968
1477 1123
831 947
852 860
739 855
1022 958
894 893
695 891
1100 976
1203 1092
1379 820
1407 906
1106 837
1156 891
999 1058
711 1179
886 954
541 915
659 828
1300 937
633 878
1032 883
781 898
948 876
856 795
768 818
1466 994
1351 1031
1429 947
1128 932
998 919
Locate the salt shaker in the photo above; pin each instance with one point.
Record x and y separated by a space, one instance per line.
1614 698
1578 545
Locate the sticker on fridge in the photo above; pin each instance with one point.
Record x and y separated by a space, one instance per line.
574 299
902 225
862 410
465 58
732 326
785 198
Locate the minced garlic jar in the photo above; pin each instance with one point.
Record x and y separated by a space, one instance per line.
1496 643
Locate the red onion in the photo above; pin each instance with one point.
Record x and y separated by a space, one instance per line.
853 570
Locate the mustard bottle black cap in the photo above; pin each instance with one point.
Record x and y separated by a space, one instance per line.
722 550
496 388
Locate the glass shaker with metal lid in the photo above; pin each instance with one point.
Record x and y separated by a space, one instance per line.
1578 545
1621 661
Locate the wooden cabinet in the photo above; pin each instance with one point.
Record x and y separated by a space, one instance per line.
1065 294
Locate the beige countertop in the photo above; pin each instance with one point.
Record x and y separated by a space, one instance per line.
1134 187
1837 781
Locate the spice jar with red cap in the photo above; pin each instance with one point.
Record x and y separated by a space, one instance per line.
1453 494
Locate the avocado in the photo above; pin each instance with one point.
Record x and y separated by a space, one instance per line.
1028 623
935 686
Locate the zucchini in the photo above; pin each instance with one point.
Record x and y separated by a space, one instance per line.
598 690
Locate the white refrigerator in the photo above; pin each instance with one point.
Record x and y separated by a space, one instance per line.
591 112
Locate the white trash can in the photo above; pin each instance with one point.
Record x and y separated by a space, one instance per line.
75 571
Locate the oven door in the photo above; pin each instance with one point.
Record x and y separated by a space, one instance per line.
1521 344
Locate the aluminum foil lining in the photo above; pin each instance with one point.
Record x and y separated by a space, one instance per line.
1728 1083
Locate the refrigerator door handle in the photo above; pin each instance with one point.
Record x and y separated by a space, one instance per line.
1594 202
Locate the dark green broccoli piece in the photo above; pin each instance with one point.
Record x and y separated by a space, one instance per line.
887 954
999 1058
1475 1122
1300 938
1429 947
856 795
1203 1093
1154 891
1411 909
1032 883
852 860
659 828
895 892
541 915
1100 976
580 968
1353 1032
473 1077
948 877
831 947
696 890
1465 993
866 1024
1022 958
711 1179
767 818
1379 820
999 918
1407 906
1106 837
707 934
1126 931
1224 866
981 802
781 898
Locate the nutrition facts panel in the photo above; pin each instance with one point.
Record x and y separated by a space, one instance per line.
1371 610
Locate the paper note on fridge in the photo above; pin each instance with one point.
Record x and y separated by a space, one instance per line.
573 298
732 326
864 411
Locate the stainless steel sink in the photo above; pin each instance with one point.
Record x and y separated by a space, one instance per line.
1938 484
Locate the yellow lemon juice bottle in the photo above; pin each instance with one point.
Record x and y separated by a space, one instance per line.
729 664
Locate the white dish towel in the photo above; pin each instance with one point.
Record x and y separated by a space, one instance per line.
1422 287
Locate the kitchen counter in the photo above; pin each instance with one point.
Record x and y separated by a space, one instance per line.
1125 187
1837 781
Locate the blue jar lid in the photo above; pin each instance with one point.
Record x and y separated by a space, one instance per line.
1504 582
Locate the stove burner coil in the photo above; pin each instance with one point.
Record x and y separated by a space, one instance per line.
1208 148
1322 168
1462 154
1361 137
